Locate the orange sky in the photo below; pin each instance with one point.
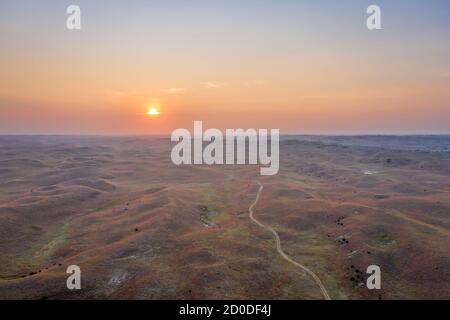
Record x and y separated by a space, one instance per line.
301 68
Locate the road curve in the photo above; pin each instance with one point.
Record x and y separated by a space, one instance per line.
280 250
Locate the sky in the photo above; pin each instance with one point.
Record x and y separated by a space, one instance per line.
299 66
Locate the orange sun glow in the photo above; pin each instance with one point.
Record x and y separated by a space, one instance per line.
153 111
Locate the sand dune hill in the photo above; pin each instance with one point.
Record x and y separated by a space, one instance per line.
141 228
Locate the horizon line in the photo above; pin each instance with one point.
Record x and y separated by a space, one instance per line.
281 134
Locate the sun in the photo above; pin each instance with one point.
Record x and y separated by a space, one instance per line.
153 111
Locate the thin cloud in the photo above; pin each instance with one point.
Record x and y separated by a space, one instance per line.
213 84
175 90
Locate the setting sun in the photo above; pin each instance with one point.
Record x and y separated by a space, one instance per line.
153 111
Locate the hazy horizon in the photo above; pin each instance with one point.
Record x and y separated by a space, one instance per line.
167 135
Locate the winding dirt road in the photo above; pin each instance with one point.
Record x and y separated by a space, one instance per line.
280 250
